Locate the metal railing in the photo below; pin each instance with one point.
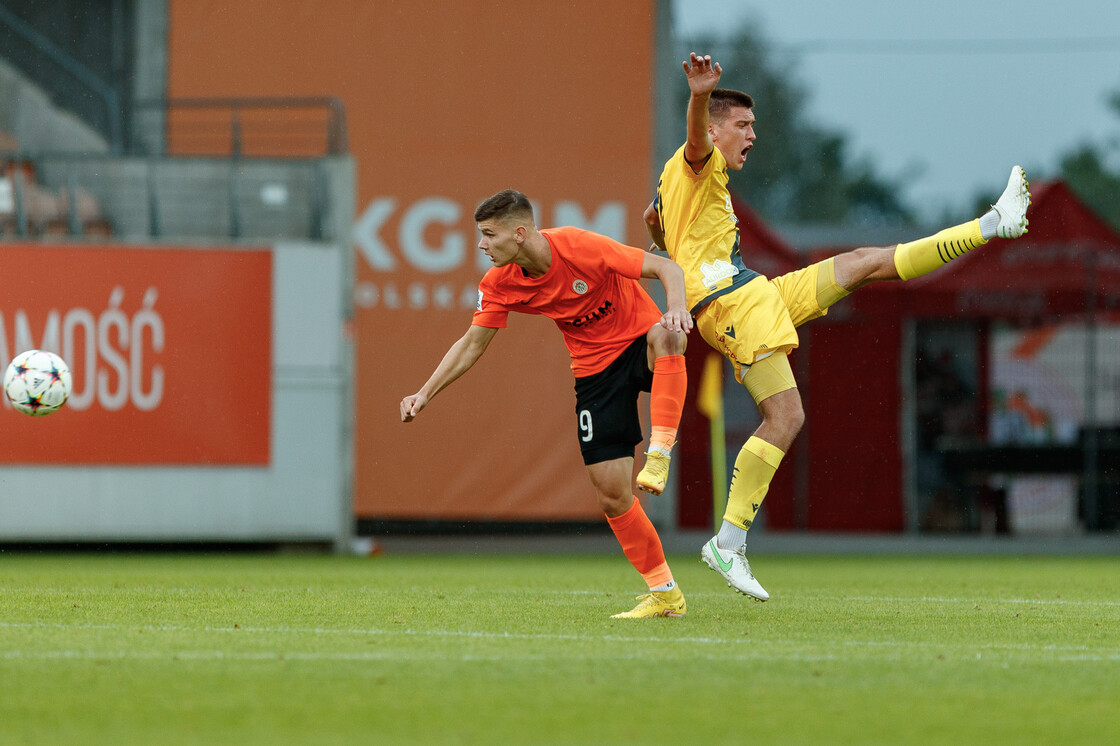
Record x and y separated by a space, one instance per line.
131 198
263 127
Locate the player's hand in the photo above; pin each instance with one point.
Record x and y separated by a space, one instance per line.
677 320
703 74
411 406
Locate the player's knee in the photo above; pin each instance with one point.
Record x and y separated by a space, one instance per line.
882 262
858 267
787 423
664 342
784 413
795 419
614 503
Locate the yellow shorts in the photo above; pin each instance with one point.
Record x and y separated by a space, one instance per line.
761 318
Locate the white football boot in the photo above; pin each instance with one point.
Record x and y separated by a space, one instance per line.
733 566
1012 205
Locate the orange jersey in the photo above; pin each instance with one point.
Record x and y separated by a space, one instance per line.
590 290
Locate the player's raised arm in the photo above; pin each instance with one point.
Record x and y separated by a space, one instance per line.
703 77
460 357
676 317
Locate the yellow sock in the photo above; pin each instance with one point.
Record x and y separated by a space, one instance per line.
921 257
754 468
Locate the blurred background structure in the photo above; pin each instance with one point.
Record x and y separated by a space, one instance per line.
262 212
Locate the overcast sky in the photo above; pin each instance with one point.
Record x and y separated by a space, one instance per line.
949 93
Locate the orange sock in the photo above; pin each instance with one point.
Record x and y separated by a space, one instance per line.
641 545
666 400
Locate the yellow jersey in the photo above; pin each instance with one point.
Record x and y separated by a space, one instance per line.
700 227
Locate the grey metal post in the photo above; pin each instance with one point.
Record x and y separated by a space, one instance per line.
908 437
72 199
154 227
21 211
1091 446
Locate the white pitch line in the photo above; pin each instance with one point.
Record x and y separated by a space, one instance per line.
372 631
768 654
280 656
606 594
981 601
1018 647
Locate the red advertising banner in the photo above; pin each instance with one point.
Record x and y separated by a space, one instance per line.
170 350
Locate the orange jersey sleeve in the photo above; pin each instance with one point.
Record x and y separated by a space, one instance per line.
591 290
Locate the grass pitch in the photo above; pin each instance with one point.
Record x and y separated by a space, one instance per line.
144 649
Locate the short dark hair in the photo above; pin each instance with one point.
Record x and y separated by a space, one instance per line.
723 100
508 203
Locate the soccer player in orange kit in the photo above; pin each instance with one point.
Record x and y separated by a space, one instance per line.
620 344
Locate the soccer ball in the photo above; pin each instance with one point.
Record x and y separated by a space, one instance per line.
37 382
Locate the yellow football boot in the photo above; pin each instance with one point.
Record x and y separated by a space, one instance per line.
656 603
655 473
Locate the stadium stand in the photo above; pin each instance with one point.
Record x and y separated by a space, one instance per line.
239 169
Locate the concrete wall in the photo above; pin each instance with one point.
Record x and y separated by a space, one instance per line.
28 114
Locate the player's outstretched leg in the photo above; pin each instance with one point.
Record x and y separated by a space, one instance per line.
1006 219
656 603
733 566
1012 205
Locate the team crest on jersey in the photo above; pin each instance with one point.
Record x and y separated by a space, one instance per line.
579 286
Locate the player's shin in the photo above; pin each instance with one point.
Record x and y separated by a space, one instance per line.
642 546
666 402
923 256
754 468
670 385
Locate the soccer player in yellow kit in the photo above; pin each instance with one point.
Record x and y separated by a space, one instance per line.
752 320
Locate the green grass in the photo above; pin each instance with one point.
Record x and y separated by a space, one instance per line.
146 649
